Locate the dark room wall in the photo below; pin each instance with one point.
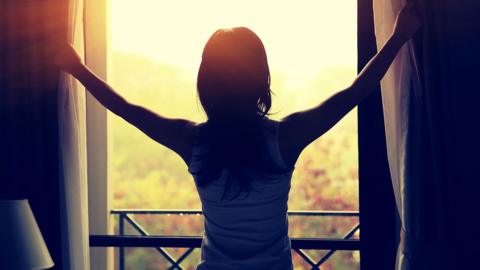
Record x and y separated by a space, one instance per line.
29 158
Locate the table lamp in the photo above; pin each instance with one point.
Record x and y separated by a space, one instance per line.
21 243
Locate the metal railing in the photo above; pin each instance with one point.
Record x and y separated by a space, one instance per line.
192 242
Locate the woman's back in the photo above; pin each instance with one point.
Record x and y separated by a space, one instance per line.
246 229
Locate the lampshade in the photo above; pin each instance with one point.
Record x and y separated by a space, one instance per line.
21 243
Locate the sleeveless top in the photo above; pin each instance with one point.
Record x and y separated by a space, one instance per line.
249 231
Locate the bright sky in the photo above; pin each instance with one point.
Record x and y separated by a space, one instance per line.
312 50
301 37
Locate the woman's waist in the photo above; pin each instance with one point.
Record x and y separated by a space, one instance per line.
241 245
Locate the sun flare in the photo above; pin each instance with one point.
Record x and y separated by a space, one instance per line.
301 37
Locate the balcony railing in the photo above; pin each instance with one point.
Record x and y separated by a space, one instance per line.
299 245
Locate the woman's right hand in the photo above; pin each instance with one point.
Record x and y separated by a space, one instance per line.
67 58
408 22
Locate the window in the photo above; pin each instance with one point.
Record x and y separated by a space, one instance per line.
156 47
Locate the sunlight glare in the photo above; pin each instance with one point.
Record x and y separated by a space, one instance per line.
301 37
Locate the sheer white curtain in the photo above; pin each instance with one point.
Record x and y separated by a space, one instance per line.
396 87
73 170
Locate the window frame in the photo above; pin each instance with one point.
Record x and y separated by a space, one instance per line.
378 212
379 220
97 42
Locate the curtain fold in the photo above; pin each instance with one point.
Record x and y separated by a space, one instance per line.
399 81
73 170
432 138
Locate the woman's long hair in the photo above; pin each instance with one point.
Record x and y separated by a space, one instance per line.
234 89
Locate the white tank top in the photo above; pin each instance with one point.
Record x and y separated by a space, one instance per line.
249 231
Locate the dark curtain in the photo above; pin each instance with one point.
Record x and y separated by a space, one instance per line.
29 157
443 157
443 148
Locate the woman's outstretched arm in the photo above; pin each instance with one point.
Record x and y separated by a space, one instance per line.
175 134
301 128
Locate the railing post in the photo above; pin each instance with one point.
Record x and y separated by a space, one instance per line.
121 231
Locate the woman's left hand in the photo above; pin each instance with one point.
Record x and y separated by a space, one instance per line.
408 22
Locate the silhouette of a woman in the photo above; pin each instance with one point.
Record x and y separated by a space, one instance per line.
242 161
